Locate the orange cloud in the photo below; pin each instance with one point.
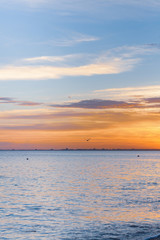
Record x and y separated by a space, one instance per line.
70 128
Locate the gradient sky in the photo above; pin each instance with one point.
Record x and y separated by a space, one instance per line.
77 70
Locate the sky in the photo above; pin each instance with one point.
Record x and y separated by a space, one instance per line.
79 74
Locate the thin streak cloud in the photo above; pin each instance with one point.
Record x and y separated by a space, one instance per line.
79 3
140 92
54 59
72 40
114 61
99 104
7 100
28 103
48 72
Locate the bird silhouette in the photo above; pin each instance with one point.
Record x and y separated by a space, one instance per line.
88 139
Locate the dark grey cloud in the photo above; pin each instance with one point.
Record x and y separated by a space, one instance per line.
9 100
27 103
98 104
6 99
152 100
88 104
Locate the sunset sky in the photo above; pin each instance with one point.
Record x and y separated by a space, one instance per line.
72 70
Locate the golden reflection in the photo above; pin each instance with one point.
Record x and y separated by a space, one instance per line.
134 215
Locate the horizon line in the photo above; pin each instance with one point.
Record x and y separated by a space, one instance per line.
85 149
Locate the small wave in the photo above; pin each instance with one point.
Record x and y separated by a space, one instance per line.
33 207
154 238
30 231
2 176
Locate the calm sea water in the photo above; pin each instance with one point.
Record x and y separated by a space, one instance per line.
79 195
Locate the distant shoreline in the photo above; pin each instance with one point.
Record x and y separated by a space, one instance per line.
67 149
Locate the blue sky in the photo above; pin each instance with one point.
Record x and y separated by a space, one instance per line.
57 53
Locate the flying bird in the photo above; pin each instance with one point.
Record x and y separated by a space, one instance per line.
88 139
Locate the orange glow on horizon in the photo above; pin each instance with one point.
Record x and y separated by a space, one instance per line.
114 138
60 129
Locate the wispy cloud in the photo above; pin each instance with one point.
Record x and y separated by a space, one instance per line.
129 92
114 61
153 100
71 39
99 104
110 9
150 3
46 59
28 103
8 100
81 3
74 120
109 104
66 59
135 98
134 51
113 66
116 98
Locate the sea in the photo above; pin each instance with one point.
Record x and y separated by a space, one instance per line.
80 195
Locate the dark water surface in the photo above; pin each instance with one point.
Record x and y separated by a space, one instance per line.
111 195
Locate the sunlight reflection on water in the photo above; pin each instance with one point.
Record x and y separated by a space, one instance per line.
79 195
